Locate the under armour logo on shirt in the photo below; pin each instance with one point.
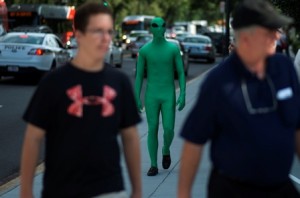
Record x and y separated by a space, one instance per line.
76 108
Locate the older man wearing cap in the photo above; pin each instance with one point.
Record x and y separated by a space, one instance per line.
249 108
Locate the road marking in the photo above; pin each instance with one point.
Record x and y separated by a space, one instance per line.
1 106
295 179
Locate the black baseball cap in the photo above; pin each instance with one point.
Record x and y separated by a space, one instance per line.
258 12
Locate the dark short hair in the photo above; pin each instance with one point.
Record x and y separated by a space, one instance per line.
85 11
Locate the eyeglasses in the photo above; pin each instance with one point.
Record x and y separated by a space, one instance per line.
101 32
260 110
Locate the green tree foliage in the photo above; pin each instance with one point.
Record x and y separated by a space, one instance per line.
289 8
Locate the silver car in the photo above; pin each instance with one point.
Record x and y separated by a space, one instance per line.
138 43
199 47
30 53
114 56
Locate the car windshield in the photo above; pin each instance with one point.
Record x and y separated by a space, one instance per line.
134 34
23 38
196 40
44 29
144 38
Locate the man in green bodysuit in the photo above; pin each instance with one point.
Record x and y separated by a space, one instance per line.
160 59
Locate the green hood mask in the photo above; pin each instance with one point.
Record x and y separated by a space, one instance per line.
158 27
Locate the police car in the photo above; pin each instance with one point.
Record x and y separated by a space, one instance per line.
24 53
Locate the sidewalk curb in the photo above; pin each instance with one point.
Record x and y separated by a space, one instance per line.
15 182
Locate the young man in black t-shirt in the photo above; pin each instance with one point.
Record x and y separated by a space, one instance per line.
80 109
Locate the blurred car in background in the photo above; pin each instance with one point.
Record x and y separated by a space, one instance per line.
71 46
218 39
184 56
131 37
170 33
38 28
141 40
64 36
200 47
181 35
114 56
30 53
2 30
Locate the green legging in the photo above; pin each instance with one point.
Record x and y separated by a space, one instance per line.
163 102
160 58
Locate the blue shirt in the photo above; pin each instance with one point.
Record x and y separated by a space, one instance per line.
246 144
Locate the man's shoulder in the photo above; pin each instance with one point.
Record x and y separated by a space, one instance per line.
280 62
222 69
280 56
57 74
297 58
58 77
221 73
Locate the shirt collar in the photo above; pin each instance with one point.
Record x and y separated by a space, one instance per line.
240 67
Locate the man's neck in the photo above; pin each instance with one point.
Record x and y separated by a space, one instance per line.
87 64
257 66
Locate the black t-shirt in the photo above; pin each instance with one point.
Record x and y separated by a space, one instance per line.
82 114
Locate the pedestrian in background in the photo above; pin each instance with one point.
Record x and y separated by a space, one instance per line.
249 107
80 109
160 97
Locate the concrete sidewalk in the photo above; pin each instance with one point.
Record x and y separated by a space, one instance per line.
165 183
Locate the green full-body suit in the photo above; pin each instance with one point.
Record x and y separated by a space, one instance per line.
160 59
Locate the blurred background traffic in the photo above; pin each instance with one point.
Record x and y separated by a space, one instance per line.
202 29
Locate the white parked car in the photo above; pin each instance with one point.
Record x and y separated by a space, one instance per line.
114 55
30 53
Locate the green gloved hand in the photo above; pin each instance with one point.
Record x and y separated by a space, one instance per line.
180 102
139 105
